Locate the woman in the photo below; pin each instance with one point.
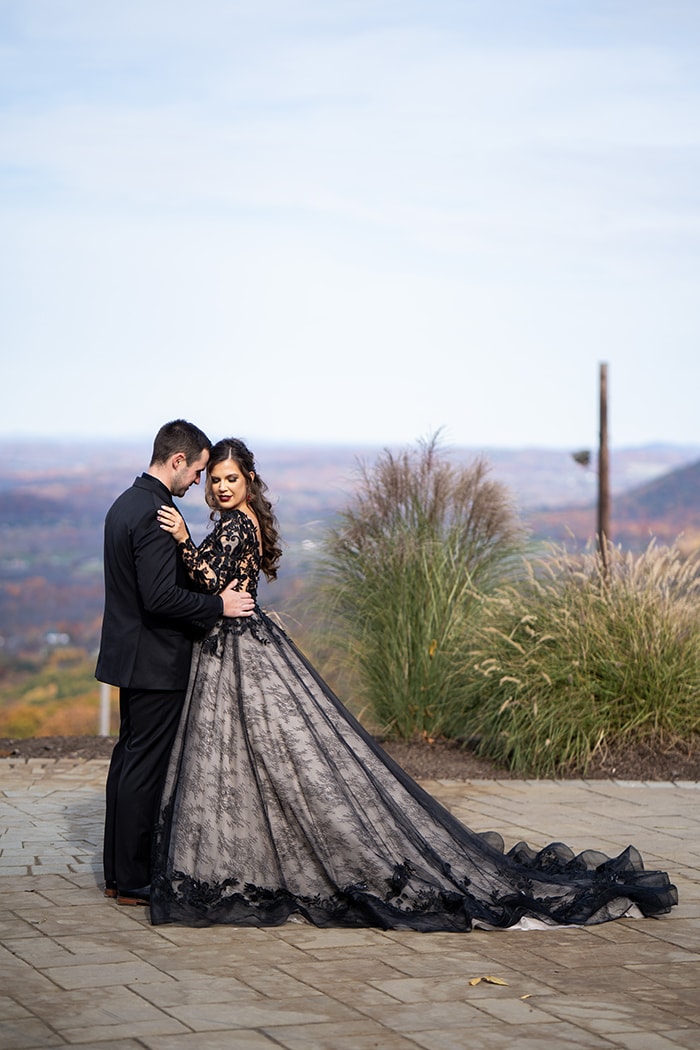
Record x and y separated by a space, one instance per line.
277 801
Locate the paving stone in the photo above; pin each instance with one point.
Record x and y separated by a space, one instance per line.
645 1041
349 1034
308 938
680 975
458 989
14 928
230 1039
607 955
508 1037
68 920
279 985
10 1009
195 989
27 1032
370 969
43 953
611 1015
19 979
414 1017
467 964
434 943
515 1011
356 992
231 961
131 1030
308 1039
385 951
263 1013
87 1008
685 1037
115 1044
101 975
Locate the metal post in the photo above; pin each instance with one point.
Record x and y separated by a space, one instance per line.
105 698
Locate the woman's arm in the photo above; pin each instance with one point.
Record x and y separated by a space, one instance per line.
211 565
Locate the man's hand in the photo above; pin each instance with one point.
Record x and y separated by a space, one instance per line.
236 603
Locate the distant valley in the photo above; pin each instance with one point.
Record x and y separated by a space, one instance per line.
53 501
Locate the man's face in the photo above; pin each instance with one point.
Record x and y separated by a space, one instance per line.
186 474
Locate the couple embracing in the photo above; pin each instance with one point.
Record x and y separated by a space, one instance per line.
241 791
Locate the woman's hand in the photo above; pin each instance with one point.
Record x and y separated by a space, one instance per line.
173 522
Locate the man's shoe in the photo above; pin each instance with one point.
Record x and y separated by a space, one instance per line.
111 890
135 897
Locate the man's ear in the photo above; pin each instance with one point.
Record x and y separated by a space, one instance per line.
177 460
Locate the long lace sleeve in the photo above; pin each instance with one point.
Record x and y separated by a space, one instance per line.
204 576
222 556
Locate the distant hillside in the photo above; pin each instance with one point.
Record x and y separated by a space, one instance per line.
674 497
666 508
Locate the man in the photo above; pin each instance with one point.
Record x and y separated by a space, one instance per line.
150 620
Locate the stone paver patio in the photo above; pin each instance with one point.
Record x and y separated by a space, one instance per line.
78 970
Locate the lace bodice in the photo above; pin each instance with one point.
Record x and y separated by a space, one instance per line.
229 552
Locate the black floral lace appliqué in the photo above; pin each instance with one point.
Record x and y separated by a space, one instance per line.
229 552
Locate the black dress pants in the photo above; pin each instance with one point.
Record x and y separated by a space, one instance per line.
148 723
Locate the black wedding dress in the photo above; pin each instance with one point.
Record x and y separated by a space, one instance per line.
277 803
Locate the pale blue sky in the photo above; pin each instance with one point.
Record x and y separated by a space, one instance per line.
351 221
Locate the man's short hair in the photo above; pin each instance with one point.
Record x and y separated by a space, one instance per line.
179 436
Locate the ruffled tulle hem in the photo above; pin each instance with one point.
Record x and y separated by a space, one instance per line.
614 888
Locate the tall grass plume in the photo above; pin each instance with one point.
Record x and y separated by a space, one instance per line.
576 659
399 575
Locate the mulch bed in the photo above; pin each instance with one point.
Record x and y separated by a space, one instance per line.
436 760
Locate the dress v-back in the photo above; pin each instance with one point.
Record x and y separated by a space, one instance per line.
278 803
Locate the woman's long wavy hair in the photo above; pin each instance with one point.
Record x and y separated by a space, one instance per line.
237 450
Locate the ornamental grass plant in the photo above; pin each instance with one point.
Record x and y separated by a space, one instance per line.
577 657
400 576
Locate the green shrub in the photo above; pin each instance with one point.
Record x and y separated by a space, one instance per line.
575 659
399 572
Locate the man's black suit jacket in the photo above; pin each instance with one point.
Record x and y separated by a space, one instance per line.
151 616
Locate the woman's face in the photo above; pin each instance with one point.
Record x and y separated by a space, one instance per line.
228 485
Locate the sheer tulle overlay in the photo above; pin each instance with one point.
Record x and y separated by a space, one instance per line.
278 803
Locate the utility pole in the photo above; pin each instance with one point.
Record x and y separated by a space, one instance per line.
603 472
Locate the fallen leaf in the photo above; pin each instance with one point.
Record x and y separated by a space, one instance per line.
488 979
